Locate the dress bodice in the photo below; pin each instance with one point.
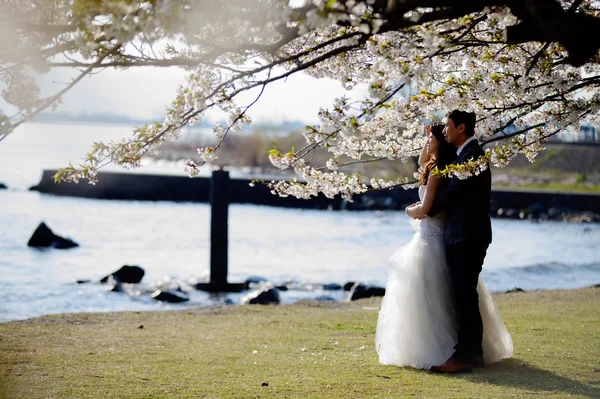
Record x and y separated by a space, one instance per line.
430 226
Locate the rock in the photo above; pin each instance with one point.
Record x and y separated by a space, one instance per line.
113 284
332 287
582 217
170 296
348 286
369 292
282 287
265 296
360 291
127 274
3 187
83 281
516 289
43 237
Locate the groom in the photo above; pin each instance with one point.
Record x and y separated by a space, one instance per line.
467 235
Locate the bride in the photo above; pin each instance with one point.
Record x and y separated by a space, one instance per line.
415 325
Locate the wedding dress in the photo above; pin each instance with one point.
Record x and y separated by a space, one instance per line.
415 325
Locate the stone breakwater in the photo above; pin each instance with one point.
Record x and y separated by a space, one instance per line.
506 203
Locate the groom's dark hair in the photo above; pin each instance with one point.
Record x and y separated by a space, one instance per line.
463 117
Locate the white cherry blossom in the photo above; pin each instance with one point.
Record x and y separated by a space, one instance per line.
414 63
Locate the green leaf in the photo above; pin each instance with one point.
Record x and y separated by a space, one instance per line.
329 5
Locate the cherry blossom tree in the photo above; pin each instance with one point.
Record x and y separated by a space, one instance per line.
531 65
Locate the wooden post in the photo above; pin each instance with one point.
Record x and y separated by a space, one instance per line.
219 206
219 236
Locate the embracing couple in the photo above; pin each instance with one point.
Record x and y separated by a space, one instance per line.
437 312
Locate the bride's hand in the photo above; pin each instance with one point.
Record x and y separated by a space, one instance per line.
412 211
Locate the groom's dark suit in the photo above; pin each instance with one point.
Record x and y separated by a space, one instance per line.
467 235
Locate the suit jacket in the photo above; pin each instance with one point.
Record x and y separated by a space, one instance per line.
466 202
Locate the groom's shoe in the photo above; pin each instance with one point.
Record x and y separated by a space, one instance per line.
452 366
478 361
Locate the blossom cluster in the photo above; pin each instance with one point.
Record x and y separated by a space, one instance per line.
412 71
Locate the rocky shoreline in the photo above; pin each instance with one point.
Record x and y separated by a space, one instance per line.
257 290
538 212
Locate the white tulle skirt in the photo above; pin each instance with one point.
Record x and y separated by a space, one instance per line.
416 326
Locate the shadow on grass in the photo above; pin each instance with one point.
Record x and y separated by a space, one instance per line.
518 374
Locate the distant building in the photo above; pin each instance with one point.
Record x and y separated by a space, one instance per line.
587 134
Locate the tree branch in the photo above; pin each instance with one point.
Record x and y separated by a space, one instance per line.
50 100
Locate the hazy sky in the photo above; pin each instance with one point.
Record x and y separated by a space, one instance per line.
145 93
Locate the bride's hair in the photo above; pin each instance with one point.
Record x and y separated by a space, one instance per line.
446 154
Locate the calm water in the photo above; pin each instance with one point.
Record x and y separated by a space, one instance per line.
170 240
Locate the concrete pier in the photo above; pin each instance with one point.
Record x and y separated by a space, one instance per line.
145 187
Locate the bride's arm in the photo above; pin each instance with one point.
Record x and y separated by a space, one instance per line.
420 210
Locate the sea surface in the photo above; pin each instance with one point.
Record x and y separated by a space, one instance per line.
171 240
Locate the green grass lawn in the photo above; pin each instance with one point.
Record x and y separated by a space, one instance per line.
306 350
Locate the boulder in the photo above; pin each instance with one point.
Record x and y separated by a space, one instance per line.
3 187
264 296
113 284
360 291
348 286
43 237
127 274
170 296
332 287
